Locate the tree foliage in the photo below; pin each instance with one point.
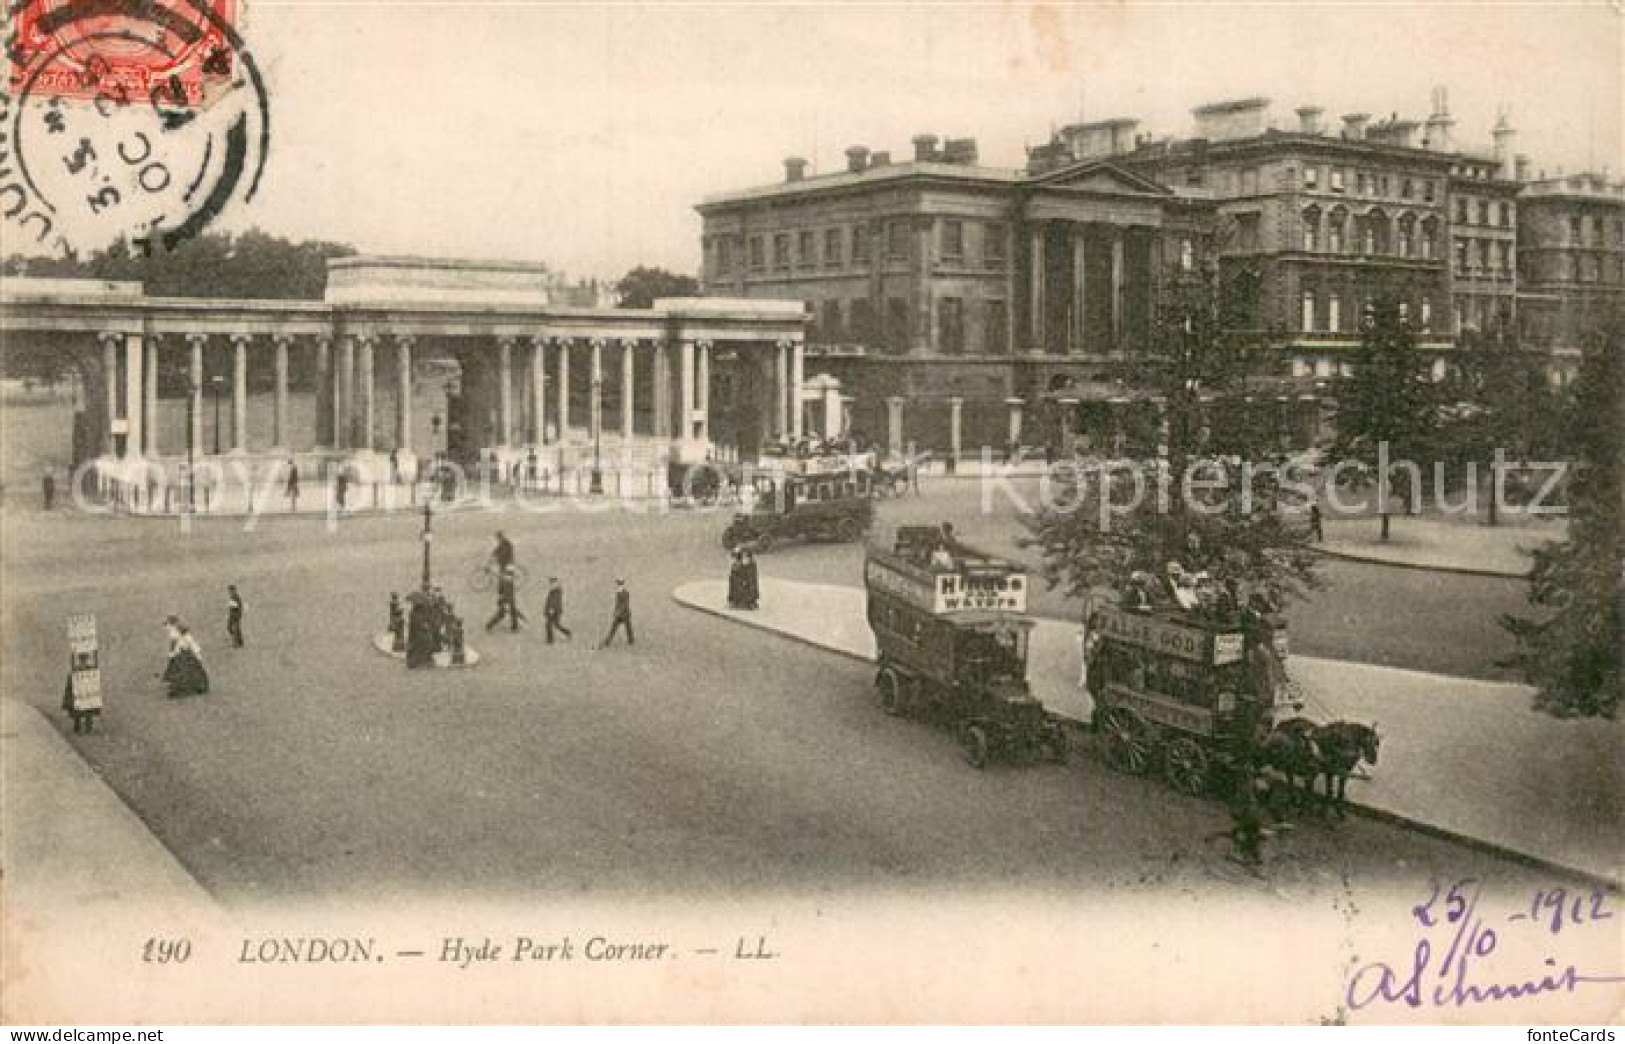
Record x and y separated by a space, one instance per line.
643 286
1213 501
1387 410
251 264
1571 652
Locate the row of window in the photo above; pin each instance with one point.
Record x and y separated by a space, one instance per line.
1586 268
1368 183
838 322
1323 313
839 246
1339 232
1494 212
1483 256
1587 230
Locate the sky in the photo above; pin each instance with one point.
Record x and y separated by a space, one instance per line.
583 135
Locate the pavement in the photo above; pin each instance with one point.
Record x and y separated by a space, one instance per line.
1462 757
1458 546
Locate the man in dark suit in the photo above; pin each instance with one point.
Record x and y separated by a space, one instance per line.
622 617
553 610
507 600
234 615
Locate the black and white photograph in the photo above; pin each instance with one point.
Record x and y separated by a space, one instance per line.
517 513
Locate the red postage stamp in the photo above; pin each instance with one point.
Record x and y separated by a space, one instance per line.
123 49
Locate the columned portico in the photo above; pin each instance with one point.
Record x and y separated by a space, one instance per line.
317 408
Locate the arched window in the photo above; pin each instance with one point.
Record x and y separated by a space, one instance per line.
1334 313
1311 229
1308 311
1430 235
1335 227
1407 235
1187 255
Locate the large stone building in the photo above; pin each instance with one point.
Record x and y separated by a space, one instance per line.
1571 262
952 300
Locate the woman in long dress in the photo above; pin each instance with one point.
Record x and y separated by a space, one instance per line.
185 674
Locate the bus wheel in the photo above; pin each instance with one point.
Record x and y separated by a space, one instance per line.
892 698
1126 740
974 742
1186 765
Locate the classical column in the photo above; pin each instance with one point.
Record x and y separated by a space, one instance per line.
279 412
1078 340
686 399
1015 419
538 391
343 389
781 386
564 387
324 391
894 426
403 392
628 385
505 380
110 378
702 381
798 377
1036 291
134 351
662 391
367 412
595 412
149 396
832 409
955 407
1117 289
195 391
239 393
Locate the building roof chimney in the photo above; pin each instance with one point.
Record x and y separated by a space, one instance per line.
961 151
1440 122
1520 167
1354 125
925 147
879 159
857 157
795 168
1503 135
1309 119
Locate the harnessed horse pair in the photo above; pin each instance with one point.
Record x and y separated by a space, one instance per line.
1304 752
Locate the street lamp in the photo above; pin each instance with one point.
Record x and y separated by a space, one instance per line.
428 538
597 485
218 383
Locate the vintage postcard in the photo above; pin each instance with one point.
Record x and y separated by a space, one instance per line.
811 513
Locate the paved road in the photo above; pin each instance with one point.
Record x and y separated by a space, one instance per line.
706 760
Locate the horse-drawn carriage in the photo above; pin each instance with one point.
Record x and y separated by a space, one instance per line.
952 631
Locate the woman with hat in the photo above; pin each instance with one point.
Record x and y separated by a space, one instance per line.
184 674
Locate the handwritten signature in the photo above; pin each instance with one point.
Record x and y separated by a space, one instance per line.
1445 976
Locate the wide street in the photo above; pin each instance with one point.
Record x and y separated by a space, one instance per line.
709 760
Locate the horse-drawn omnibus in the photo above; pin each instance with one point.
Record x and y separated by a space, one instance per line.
951 627
1181 692
808 498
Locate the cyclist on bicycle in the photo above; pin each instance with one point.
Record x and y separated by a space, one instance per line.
502 554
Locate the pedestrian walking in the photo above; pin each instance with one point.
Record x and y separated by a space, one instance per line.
1316 533
341 486
553 610
234 615
394 467
184 673
397 624
507 601
622 617
47 485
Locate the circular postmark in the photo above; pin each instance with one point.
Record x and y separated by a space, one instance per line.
133 120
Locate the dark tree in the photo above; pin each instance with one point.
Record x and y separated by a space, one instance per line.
219 264
1571 652
1496 399
642 287
1386 411
1211 502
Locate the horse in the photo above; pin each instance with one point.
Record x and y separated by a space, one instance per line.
1343 745
1289 750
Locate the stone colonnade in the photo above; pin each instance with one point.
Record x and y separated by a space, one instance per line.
347 413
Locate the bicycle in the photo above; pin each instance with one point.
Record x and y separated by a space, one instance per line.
485 574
